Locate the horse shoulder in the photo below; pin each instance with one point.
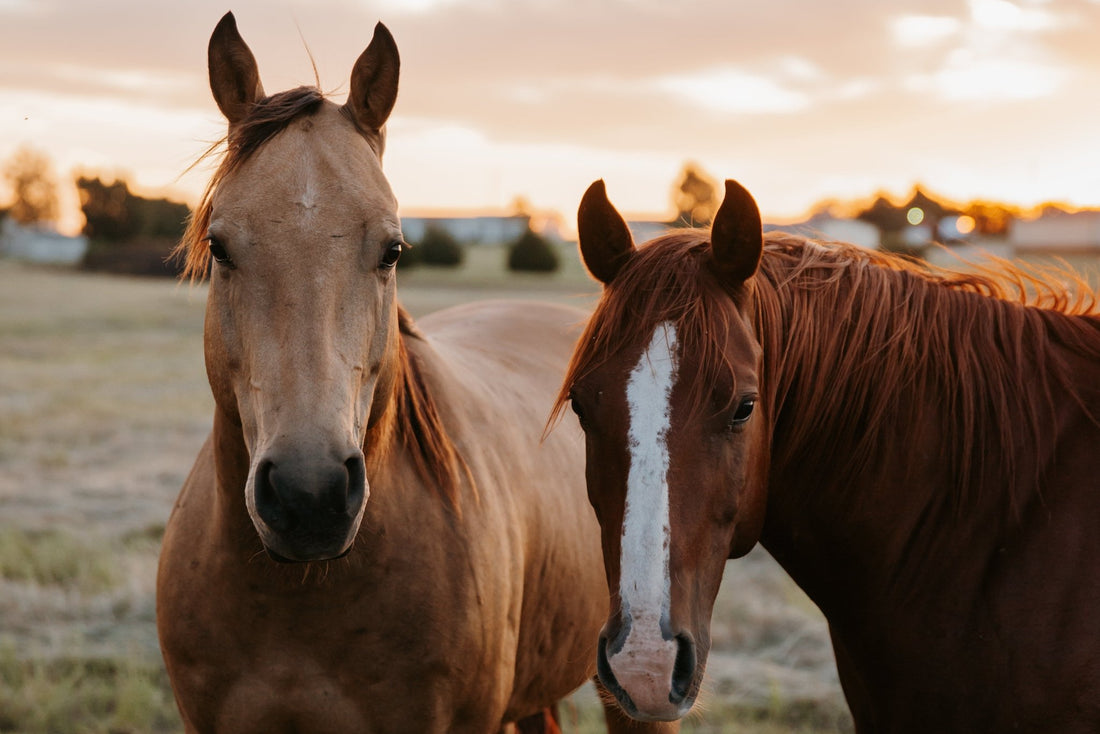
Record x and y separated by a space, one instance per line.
496 367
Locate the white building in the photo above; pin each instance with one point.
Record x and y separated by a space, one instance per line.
478 230
1056 232
824 226
40 245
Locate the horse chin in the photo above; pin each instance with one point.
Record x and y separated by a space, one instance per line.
278 557
666 712
289 549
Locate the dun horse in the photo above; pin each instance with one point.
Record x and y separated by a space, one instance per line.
448 568
919 449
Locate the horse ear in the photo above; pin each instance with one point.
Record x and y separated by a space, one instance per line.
234 77
374 82
605 240
737 236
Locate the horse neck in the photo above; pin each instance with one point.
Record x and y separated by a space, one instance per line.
883 419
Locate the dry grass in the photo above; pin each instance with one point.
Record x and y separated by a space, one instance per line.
103 404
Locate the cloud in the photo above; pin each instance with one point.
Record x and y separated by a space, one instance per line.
924 30
996 51
733 91
1005 16
414 7
970 77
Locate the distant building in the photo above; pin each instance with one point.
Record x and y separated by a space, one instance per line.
1057 233
826 227
478 230
498 230
820 227
40 245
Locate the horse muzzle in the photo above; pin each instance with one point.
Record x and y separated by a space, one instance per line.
307 510
653 680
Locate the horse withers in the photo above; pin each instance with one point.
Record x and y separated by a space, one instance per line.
916 447
372 538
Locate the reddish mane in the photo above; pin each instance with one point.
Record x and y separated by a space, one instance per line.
964 341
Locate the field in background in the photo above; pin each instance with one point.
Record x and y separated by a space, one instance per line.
103 404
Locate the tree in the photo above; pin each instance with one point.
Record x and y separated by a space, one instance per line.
106 215
991 219
30 175
531 252
113 214
884 214
932 212
695 196
439 247
160 218
129 233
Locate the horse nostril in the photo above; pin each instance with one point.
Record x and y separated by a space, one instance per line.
603 668
334 495
683 670
357 484
268 502
607 676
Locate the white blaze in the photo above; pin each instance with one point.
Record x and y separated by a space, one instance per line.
643 576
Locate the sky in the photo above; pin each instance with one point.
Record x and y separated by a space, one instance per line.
799 100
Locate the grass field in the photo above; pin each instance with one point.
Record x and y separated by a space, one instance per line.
103 404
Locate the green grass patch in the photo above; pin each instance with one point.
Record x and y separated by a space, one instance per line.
56 558
84 696
143 538
778 717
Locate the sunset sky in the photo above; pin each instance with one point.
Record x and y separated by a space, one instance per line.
799 100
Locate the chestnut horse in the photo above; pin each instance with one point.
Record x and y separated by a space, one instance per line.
919 449
448 571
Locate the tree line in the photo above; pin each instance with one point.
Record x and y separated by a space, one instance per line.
134 233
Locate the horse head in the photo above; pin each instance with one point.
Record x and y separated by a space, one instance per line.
301 321
666 384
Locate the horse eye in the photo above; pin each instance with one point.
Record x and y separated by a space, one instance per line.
392 254
219 253
743 412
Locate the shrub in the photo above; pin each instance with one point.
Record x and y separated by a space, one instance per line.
532 253
439 247
138 256
112 213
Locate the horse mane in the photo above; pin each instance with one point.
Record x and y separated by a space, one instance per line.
419 425
266 119
976 348
965 345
